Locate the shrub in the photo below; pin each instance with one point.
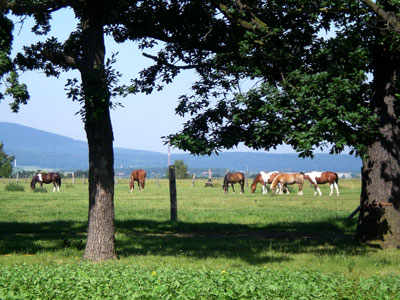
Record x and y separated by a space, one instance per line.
14 187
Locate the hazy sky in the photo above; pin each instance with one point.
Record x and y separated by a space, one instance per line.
138 125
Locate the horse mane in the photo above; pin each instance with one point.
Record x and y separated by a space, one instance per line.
257 179
273 184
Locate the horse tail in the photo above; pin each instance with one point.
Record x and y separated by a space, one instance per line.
59 180
337 177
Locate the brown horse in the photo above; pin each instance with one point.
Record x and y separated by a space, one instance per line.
231 178
321 178
263 178
288 178
140 177
51 177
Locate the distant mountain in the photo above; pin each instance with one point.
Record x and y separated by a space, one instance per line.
43 150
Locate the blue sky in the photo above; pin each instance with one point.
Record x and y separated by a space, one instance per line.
138 125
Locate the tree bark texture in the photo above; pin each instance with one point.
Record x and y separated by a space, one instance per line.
100 243
379 219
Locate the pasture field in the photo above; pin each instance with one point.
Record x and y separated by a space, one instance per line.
224 246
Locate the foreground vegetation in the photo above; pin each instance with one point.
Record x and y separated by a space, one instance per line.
223 247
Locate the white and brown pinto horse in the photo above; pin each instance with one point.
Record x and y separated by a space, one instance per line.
140 177
264 178
231 178
284 179
321 178
47 178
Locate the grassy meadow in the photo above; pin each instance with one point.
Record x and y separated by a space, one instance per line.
253 238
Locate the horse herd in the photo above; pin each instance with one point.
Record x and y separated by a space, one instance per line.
277 180
280 181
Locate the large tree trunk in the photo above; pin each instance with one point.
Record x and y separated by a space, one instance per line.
100 243
379 219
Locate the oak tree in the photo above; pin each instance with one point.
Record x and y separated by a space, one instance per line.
84 51
283 79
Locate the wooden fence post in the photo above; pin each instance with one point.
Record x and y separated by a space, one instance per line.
172 194
193 179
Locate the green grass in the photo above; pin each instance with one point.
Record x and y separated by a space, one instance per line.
268 235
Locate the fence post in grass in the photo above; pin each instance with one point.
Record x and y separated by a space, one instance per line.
172 193
193 179
157 182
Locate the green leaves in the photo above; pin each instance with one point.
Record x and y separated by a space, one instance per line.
109 281
7 69
306 91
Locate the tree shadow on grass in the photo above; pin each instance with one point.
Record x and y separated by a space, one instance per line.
195 240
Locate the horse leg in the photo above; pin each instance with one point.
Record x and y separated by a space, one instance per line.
286 188
316 189
242 188
280 188
264 188
337 188
141 185
54 188
331 185
300 189
233 189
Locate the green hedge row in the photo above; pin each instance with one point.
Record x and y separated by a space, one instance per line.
111 281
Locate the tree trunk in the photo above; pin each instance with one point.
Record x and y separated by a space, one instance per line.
379 219
100 243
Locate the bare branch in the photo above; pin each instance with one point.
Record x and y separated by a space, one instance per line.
155 58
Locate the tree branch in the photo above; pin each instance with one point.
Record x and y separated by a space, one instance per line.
254 24
60 59
389 17
155 58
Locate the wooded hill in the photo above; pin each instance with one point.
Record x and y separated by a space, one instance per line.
45 150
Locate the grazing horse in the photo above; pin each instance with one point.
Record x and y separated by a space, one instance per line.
51 177
231 178
288 178
263 178
321 178
140 177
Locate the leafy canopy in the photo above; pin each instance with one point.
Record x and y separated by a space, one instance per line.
278 77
